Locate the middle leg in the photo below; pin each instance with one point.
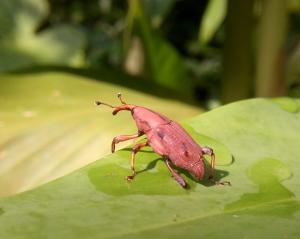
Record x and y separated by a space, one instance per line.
135 149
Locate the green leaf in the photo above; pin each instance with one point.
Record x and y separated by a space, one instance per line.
212 19
163 63
157 10
20 44
293 6
50 126
97 201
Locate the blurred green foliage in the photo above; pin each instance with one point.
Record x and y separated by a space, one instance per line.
22 46
206 49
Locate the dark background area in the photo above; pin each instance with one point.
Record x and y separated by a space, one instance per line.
211 52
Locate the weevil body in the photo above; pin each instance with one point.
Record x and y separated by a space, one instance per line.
168 139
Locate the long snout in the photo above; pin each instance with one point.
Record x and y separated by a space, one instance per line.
123 107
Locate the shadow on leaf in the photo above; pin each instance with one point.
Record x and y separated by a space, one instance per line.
218 174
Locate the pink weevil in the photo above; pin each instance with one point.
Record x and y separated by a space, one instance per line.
168 139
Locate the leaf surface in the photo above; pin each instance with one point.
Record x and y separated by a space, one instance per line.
260 139
50 126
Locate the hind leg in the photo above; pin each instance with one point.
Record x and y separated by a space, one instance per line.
210 152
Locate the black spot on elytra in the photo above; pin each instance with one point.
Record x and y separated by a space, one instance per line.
186 153
160 134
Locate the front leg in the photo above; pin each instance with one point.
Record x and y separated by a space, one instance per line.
122 138
176 176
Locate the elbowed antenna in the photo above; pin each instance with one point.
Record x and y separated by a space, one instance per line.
102 103
124 106
120 98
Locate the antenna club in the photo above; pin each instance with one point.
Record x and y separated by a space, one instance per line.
102 103
97 102
121 98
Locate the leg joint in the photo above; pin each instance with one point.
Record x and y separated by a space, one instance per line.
208 151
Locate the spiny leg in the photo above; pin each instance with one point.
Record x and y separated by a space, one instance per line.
175 175
210 152
135 149
122 138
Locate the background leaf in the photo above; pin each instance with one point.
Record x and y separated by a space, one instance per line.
212 19
157 10
97 202
22 46
164 64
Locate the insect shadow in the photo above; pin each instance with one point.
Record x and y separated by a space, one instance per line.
150 165
218 174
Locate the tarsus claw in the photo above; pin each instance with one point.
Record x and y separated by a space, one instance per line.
130 178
